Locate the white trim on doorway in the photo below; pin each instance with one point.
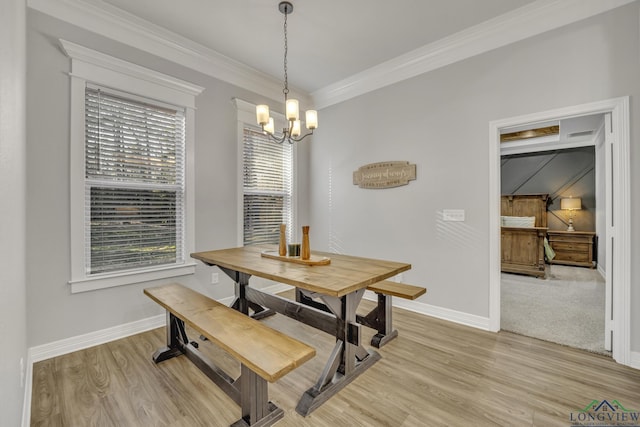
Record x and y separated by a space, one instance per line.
618 183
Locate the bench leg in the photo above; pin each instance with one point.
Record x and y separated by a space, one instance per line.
173 347
257 411
252 395
380 318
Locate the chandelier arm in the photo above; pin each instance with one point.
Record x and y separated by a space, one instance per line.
286 136
278 140
301 138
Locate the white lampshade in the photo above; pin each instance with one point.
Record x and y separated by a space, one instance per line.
295 130
571 203
311 119
269 127
262 114
293 113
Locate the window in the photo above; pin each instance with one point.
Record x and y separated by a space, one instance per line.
267 187
132 210
266 181
134 182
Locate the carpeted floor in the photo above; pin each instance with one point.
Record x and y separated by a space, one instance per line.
566 308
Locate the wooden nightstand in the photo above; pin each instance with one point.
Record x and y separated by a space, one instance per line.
572 247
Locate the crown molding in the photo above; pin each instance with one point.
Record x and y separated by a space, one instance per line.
527 21
114 23
519 24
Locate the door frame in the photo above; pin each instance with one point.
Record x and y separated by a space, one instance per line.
618 212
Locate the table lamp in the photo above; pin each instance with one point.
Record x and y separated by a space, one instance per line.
571 204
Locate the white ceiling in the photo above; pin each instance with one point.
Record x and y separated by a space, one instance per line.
329 40
337 49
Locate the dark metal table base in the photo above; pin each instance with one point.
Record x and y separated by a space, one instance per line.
379 318
249 390
333 315
327 385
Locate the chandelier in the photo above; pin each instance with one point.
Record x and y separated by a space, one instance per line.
292 132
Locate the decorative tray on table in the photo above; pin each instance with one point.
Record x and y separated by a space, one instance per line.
313 260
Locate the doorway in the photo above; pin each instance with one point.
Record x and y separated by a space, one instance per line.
567 304
617 203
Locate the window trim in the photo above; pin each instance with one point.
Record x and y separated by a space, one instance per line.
246 113
89 66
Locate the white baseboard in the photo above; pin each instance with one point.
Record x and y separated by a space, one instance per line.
459 317
80 342
454 316
634 360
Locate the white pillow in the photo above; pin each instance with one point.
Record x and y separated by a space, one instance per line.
518 221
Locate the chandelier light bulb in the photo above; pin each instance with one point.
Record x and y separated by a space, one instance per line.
295 129
262 114
269 127
293 112
311 117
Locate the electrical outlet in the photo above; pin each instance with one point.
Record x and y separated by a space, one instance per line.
215 278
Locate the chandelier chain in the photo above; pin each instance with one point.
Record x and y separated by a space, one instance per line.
291 133
286 50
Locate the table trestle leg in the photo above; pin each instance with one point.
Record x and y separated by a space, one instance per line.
241 303
348 358
331 367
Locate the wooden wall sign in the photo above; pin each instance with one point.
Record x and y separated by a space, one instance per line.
384 174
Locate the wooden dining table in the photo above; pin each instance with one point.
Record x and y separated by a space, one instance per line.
336 289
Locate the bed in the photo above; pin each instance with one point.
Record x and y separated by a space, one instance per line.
523 233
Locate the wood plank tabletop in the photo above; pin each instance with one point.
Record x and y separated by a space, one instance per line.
344 275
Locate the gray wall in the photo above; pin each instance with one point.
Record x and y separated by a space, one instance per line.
440 121
53 312
13 313
565 173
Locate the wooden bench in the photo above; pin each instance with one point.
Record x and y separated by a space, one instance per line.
380 317
264 353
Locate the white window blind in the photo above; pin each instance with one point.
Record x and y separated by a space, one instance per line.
134 182
267 182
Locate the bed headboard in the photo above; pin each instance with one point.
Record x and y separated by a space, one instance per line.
526 205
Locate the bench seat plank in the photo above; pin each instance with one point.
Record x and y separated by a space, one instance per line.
395 289
269 353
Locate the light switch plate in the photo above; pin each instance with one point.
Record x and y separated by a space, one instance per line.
453 215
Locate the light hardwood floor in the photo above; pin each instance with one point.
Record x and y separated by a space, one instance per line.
435 373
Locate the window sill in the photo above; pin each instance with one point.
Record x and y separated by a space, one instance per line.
113 280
